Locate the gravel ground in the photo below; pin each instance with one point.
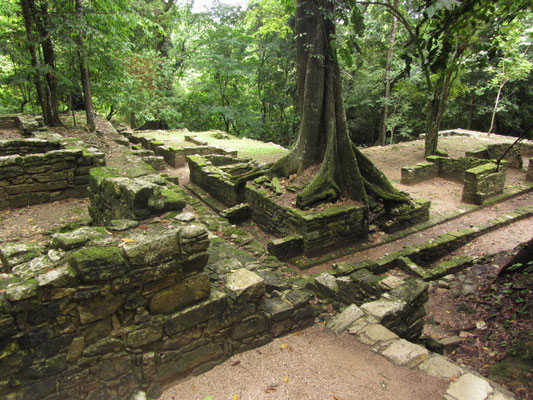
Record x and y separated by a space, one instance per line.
309 365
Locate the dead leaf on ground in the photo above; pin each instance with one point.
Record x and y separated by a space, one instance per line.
270 389
235 363
284 345
337 398
235 397
286 379
127 240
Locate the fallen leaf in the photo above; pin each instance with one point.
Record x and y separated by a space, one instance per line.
235 363
337 398
235 397
286 379
270 389
284 345
143 227
290 349
127 240
298 333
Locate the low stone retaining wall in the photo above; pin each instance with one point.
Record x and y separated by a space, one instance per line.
117 315
335 225
454 168
529 175
44 171
116 196
218 176
496 151
483 182
482 179
173 155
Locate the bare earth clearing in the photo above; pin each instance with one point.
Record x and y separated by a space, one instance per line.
315 363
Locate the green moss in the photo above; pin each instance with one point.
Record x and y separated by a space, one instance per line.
98 263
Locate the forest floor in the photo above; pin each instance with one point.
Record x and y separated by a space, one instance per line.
321 364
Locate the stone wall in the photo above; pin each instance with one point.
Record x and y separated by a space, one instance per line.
454 168
43 172
496 151
483 182
175 156
103 320
529 175
419 172
332 226
116 196
217 175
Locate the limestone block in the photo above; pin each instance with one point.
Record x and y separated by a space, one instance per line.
384 309
197 314
62 276
98 263
469 387
347 317
402 352
277 309
440 367
77 238
245 285
182 294
374 333
12 254
327 284
100 307
153 248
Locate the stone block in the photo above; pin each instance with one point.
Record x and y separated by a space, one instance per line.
98 308
440 367
375 333
327 284
384 309
98 263
156 247
245 285
197 314
419 172
347 317
237 214
470 387
287 247
77 238
182 294
402 352
277 309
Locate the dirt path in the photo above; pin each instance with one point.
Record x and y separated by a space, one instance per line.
510 236
309 365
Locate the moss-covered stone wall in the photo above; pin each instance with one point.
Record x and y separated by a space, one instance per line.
132 195
454 168
483 182
216 174
36 171
96 316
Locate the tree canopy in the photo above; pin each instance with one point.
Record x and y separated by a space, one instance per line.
449 64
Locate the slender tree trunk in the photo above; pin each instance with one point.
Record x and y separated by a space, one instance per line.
472 110
390 52
41 94
84 72
496 104
42 24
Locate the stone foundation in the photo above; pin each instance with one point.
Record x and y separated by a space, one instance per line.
496 151
34 171
115 196
483 182
119 315
419 172
177 156
218 176
332 226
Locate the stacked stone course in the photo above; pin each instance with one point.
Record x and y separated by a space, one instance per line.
34 171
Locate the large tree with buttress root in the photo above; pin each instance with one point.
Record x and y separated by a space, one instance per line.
323 137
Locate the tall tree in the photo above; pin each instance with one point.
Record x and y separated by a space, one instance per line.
388 65
84 70
323 136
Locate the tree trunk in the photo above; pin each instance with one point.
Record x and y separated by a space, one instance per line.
323 137
496 104
84 72
393 30
41 94
472 110
41 22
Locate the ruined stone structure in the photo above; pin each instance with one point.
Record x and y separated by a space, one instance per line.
34 171
85 318
482 179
